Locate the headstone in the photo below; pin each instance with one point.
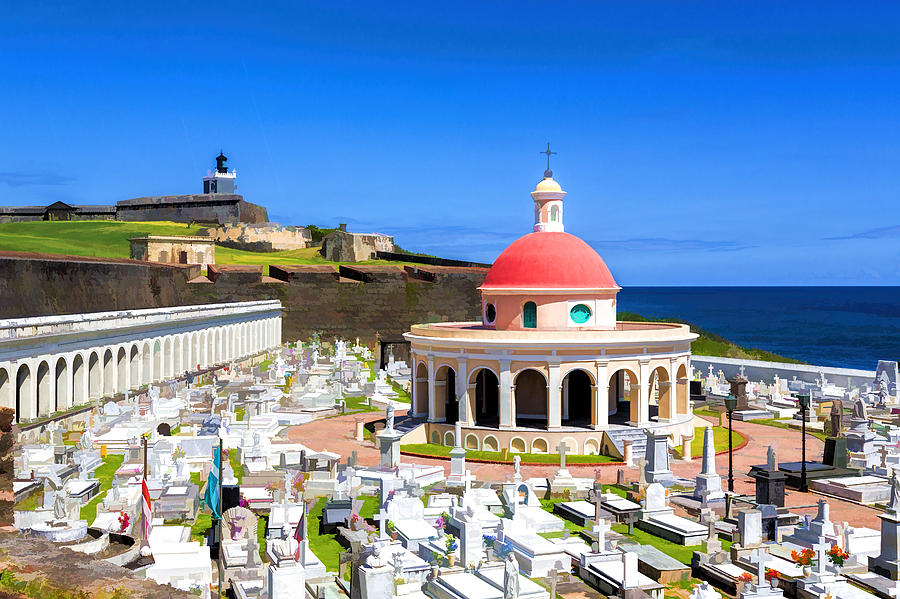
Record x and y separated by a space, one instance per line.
657 451
769 481
750 528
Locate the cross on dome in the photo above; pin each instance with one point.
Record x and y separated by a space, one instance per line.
548 173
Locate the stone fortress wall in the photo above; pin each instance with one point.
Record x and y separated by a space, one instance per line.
259 237
348 302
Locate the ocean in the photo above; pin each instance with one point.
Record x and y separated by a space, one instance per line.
849 327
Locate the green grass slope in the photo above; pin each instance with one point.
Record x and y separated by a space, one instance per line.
109 239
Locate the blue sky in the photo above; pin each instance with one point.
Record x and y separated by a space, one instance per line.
701 143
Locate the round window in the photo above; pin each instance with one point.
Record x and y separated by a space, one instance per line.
490 313
580 314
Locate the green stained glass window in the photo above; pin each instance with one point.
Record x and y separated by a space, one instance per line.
529 315
580 313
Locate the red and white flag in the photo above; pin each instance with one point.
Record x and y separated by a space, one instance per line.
145 508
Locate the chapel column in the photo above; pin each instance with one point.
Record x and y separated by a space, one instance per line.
600 398
431 398
462 391
554 397
644 394
507 397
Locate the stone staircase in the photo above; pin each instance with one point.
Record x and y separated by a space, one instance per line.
638 439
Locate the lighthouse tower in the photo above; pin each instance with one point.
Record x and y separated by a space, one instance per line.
220 181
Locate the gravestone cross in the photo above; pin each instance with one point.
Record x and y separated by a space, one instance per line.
600 529
883 452
382 518
820 548
553 581
562 448
595 495
762 557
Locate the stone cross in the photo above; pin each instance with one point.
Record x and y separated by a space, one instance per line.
562 448
553 580
820 548
742 371
600 529
762 558
595 495
382 518
883 452
642 473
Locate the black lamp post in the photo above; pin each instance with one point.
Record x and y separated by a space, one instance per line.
730 405
803 400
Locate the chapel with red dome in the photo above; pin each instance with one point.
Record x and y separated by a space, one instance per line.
549 363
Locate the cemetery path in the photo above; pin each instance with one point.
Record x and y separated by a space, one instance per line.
336 434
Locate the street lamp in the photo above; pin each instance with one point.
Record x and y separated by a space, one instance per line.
803 400
730 405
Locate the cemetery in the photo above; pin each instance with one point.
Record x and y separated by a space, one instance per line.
218 457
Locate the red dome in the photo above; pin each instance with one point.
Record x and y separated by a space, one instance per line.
549 260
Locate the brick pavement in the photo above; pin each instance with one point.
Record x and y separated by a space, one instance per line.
336 434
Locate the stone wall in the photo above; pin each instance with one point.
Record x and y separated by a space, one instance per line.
341 246
218 208
260 237
349 302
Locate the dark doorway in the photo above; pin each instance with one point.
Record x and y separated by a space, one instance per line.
487 399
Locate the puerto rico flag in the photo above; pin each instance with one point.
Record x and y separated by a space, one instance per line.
145 508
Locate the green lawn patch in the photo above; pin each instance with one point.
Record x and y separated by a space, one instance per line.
431 449
265 364
235 460
104 473
720 436
240 414
359 404
32 502
201 524
325 547
262 525
369 507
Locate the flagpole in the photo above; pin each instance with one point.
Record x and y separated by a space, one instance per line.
143 514
219 535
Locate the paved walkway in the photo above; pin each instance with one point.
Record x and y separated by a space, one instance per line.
336 434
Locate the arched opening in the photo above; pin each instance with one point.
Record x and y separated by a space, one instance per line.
554 214
121 370
681 391
61 401
24 394
420 397
6 399
146 365
577 399
134 367
624 397
486 401
531 398
78 381
660 394
95 376
446 405
529 315
109 374
44 390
